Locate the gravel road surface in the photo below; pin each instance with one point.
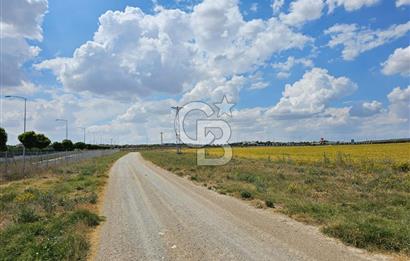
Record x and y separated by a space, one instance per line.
152 214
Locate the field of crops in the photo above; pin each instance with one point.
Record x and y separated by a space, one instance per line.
391 152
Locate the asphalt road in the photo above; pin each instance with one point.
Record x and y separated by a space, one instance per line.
152 214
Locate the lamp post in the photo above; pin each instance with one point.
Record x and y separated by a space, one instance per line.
83 133
24 128
66 136
66 127
25 107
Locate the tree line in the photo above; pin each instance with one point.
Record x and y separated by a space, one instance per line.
33 140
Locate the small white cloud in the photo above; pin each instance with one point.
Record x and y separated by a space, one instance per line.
259 85
356 40
277 5
302 11
366 109
284 68
283 75
254 7
402 2
398 62
350 5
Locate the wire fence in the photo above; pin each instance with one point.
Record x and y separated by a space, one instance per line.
15 166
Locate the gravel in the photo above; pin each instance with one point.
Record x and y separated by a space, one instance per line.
152 214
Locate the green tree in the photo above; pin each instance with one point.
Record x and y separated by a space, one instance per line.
57 146
3 140
42 141
80 145
28 139
68 145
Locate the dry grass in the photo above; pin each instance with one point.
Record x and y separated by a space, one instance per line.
366 205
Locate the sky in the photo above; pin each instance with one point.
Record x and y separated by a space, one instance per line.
295 70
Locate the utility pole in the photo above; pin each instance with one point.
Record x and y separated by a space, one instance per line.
162 138
177 129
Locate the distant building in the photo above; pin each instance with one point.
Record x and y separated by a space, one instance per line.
323 141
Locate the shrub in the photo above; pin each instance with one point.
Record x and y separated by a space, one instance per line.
27 215
293 188
403 167
84 215
246 194
25 197
87 172
47 202
269 203
93 198
3 139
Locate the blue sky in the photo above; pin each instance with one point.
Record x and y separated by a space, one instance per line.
329 93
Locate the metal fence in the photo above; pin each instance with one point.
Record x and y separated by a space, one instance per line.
15 166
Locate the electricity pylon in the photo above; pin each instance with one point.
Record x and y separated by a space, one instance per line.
177 129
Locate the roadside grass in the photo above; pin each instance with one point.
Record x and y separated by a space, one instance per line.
49 217
366 206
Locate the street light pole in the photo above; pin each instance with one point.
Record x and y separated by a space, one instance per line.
83 133
66 127
25 107
24 125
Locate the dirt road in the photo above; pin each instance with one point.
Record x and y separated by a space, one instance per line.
155 215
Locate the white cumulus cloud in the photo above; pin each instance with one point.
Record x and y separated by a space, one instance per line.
398 62
171 51
400 103
311 94
20 21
